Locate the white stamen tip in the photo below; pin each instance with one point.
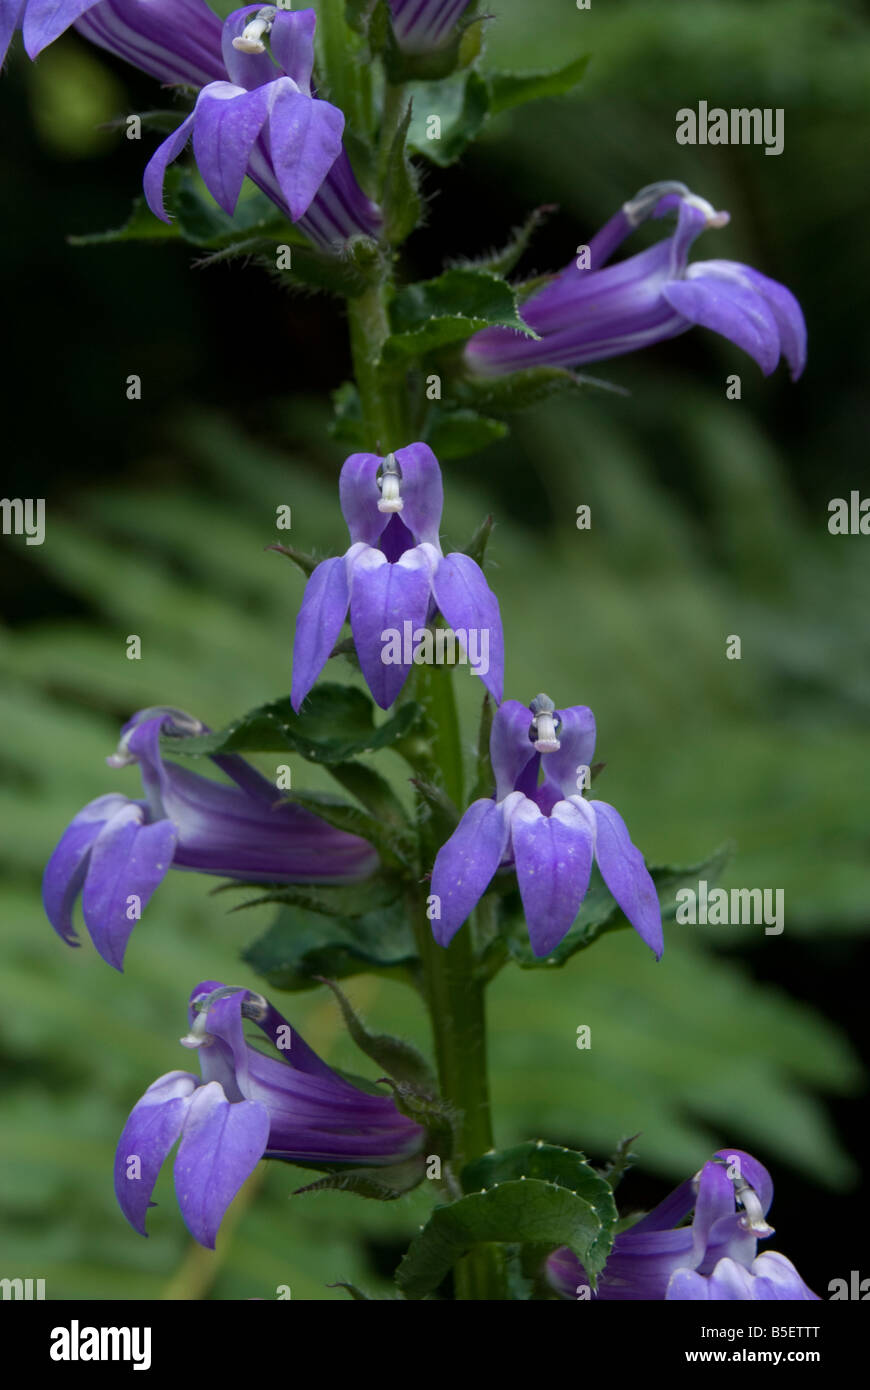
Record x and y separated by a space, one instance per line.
250 40
390 499
753 1216
198 1035
714 218
545 727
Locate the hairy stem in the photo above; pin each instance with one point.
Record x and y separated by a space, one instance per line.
455 992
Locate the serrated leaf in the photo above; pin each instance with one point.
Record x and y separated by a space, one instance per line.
345 900
600 912
380 1184
529 387
302 947
306 563
551 1163
456 433
435 313
399 1059
502 262
336 724
508 89
348 424
401 201
461 103
374 791
514 1212
394 845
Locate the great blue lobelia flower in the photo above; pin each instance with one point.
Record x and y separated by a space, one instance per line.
394 579
592 311
265 121
246 1106
116 851
550 833
422 26
714 1258
176 41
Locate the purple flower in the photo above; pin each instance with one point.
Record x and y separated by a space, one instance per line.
247 1106
588 313
421 26
549 832
176 41
265 121
116 851
713 1258
394 579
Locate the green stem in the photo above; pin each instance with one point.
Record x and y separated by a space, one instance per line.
382 395
455 994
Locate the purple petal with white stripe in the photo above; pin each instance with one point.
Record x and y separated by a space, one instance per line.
128 861
175 41
554 860
155 169
154 1125
383 598
626 875
465 865
318 623
468 604
221 1145
66 869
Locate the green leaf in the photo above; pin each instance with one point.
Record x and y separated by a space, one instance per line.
448 309
551 1163
345 900
336 724
456 433
302 947
476 547
141 225
395 846
379 1184
373 791
461 105
401 201
348 424
507 89
306 563
529 1210
529 387
502 262
600 913
399 1059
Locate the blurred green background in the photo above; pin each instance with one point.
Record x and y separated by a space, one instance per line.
709 519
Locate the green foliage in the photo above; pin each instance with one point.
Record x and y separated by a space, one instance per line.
508 89
336 723
533 1211
401 200
447 310
302 946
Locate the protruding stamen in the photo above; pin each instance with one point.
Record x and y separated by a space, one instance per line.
753 1217
389 479
251 38
544 726
644 203
199 1035
176 722
714 218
